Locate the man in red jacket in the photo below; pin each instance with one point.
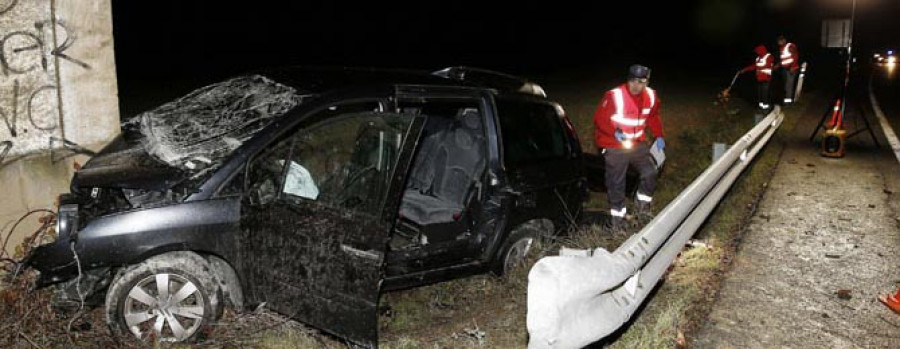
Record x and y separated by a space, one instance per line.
790 64
619 124
763 67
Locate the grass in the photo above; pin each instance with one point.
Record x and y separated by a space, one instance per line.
489 312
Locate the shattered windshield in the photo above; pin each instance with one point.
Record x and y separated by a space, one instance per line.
197 131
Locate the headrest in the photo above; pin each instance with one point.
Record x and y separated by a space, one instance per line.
470 118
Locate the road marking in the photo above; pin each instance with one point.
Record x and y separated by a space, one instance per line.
885 127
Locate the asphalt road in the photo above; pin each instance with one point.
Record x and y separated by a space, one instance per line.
823 244
886 86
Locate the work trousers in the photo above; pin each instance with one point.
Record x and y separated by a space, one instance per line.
617 162
762 90
789 78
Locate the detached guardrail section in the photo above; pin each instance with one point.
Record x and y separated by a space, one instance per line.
581 296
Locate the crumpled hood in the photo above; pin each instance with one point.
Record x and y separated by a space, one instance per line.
760 50
125 163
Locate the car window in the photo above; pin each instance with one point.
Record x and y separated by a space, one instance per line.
531 131
344 160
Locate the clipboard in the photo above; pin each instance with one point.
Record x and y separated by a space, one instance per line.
659 156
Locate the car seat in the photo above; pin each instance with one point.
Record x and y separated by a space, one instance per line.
445 171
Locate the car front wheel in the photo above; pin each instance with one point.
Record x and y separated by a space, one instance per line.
171 297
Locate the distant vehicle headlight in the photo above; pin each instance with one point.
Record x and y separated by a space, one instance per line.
892 59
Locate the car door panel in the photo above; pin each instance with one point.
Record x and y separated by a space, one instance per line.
317 255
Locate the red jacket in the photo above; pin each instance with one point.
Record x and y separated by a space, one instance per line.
626 116
763 64
789 56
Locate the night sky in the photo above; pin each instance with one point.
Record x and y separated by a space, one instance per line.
171 42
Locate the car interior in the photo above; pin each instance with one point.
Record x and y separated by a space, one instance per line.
444 180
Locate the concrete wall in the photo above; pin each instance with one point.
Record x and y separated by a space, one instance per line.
57 81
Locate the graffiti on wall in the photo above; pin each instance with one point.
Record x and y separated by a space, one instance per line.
29 100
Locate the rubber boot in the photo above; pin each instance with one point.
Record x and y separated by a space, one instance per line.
643 211
616 225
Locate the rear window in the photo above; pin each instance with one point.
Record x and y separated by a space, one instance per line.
197 131
531 131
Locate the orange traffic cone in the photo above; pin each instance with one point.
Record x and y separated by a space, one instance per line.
892 301
836 117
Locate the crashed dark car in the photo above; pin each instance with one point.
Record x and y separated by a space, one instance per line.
312 190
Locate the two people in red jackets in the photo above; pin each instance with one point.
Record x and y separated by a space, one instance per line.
764 65
620 124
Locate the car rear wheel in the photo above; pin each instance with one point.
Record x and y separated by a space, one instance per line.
172 297
516 250
516 253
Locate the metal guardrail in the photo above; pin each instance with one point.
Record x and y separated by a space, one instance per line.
578 298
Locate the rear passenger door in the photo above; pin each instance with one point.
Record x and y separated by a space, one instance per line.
541 157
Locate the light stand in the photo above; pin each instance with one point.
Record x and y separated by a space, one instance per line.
844 89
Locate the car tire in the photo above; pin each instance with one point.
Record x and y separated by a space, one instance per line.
139 305
516 250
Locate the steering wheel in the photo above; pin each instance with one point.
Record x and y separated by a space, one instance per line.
350 196
265 188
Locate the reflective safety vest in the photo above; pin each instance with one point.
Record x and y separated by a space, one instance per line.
764 68
628 117
788 60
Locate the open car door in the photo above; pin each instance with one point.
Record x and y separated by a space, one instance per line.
317 216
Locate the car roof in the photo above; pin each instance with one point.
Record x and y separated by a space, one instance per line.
316 80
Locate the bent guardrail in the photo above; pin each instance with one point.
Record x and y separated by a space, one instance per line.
575 300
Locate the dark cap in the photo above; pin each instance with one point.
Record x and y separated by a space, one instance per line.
638 71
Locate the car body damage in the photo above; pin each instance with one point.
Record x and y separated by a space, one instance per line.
313 191
194 133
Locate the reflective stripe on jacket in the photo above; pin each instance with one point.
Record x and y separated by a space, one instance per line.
619 111
788 57
764 67
627 117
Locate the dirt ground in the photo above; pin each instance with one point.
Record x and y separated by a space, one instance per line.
824 225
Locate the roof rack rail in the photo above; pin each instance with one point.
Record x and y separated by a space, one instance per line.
491 78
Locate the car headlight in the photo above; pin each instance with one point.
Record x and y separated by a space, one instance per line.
892 59
66 220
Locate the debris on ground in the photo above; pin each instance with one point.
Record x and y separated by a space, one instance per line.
474 335
844 294
698 243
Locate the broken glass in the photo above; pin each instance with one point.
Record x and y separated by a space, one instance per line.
198 131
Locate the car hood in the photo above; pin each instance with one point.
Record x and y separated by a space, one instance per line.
125 163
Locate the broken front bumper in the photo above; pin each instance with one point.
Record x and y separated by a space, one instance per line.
56 260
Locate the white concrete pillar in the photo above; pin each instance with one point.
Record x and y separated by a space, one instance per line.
57 81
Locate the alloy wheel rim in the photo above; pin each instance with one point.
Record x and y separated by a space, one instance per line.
167 307
517 252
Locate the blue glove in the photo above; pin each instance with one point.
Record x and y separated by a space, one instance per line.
620 136
660 143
